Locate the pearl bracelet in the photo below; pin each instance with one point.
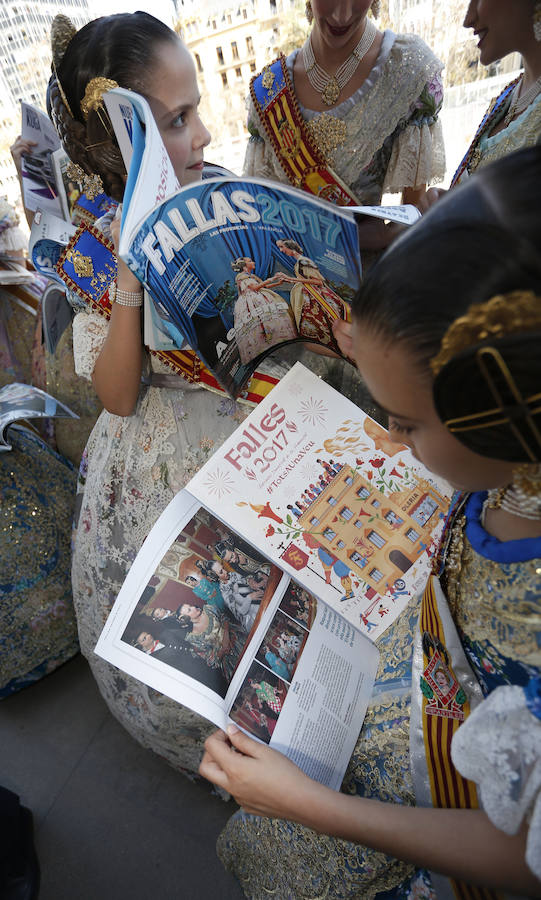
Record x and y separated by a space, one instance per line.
129 298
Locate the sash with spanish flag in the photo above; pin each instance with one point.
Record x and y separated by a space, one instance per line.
88 267
444 693
303 163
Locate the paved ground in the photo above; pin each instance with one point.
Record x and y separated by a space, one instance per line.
113 822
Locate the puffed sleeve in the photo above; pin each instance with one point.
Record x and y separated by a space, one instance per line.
418 154
499 748
89 333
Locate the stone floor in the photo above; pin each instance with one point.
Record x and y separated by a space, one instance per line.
112 820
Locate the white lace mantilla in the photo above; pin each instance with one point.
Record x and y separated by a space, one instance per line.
499 748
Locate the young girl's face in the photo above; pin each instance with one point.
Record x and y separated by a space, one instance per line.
173 96
404 392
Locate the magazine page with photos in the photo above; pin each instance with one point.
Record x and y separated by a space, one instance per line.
321 489
23 401
235 268
208 620
40 189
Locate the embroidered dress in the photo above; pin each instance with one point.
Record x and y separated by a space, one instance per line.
392 138
37 622
496 607
220 644
131 468
261 318
524 131
309 302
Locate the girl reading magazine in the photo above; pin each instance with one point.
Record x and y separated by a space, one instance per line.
446 774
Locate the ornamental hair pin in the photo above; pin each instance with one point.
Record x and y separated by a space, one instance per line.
513 313
62 32
93 98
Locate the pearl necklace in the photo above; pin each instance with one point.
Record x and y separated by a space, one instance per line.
330 86
522 497
520 103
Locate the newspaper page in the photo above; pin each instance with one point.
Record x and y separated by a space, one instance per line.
206 619
39 184
48 237
321 490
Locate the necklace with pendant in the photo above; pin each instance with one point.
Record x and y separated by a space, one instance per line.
520 103
330 86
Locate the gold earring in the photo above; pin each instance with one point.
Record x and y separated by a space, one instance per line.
309 12
92 186
375 8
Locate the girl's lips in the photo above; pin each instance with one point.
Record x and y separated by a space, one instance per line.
481 35
199 166
338 32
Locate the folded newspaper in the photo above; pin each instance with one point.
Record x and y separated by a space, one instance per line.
257 595
235 268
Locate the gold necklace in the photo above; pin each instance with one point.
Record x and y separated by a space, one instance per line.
330 86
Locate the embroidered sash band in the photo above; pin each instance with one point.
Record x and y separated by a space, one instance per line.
87 265
494 111
303 163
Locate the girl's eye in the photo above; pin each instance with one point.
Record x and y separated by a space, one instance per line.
400 429
179 121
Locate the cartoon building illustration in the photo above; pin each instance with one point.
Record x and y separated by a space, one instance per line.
378 536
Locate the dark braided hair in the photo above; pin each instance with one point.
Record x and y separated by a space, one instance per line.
122 47
483 239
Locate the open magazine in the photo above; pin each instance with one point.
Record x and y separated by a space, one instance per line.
234 268
40 187
23 401
258 593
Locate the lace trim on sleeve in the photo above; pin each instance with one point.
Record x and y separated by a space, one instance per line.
89 333
417 158
499 748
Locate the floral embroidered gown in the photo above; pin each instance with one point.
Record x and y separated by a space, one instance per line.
261 318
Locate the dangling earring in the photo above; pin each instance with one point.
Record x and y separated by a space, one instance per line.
375 8
537 20
308 12
91 185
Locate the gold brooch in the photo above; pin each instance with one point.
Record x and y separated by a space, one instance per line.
82 264
328 133
93 98
267 79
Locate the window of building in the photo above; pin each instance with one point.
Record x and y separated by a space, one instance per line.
244 13
329 534
272 5
331 501
314 521
412 535
214 24
340 545
375 503
346 513
234 50
424 511
250 45
356 558
220 55
224 80
393 518
252 67
376 539
363 493
198 62
358 523
238 72
375 574
229 18
348 479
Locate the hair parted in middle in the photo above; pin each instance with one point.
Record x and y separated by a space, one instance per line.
482 241
121 48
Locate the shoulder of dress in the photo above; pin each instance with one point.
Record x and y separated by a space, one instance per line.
412 50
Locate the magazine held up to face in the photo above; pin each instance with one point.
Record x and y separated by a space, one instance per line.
257 595
234 268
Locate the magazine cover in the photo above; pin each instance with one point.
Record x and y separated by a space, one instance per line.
235 268
38 177
206 619
321 490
